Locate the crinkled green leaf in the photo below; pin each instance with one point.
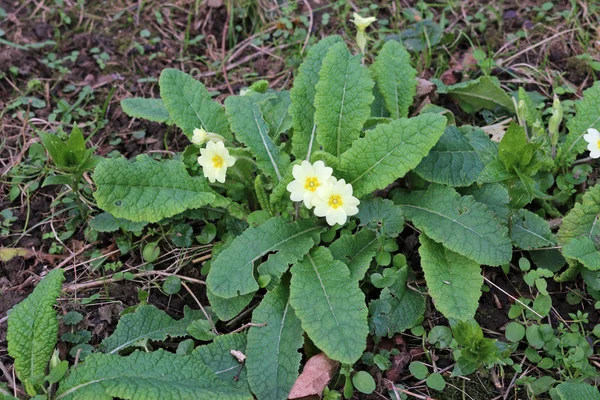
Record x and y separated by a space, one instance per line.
342 100
493 195
587 115
479 94
276 113
330 305
232 271
583 250
576 391
514 149
530 231
453 281
227 309
302 95
397 309
148 190
381 215
149 109
460 223
106 222
273 358
189 104
582 220
395 78
250 128
452 161
356 251
389 151
205 374
146 323
32 330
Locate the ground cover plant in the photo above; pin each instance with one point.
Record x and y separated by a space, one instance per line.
387 222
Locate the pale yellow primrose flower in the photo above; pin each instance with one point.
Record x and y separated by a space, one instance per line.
307 179
201 136
215 160
362 24
335 202
593 139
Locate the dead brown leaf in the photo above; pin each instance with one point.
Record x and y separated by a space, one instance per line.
315 376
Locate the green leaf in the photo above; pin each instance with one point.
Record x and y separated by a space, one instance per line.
276 113
418 369
273 357
207 373
452 161
356 251
189 104
342 100
232 273
148 190
479 94
381 215
453 281
364 382
576 391
460 223
514 150
436 381
250 128
148 109
146 323
515 332
583 250
493 195
227 309
530 231
583 219
302 95
330 305
397 309
32 330
389 151
106 222
587 115
395 78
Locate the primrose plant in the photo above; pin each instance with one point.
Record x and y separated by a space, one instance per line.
309 190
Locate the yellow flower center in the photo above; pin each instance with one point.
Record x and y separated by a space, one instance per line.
598 144
311 183
217 161
335 201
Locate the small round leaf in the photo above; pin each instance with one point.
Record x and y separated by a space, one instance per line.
364 382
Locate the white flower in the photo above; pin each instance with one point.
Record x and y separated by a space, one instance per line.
307 179
593 139
215 160
361 22
335 202
201 136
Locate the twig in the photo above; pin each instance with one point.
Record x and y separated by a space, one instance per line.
214 329
512 297
248 325
415 395
506 61
310 25
102 282
73 255
9 378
